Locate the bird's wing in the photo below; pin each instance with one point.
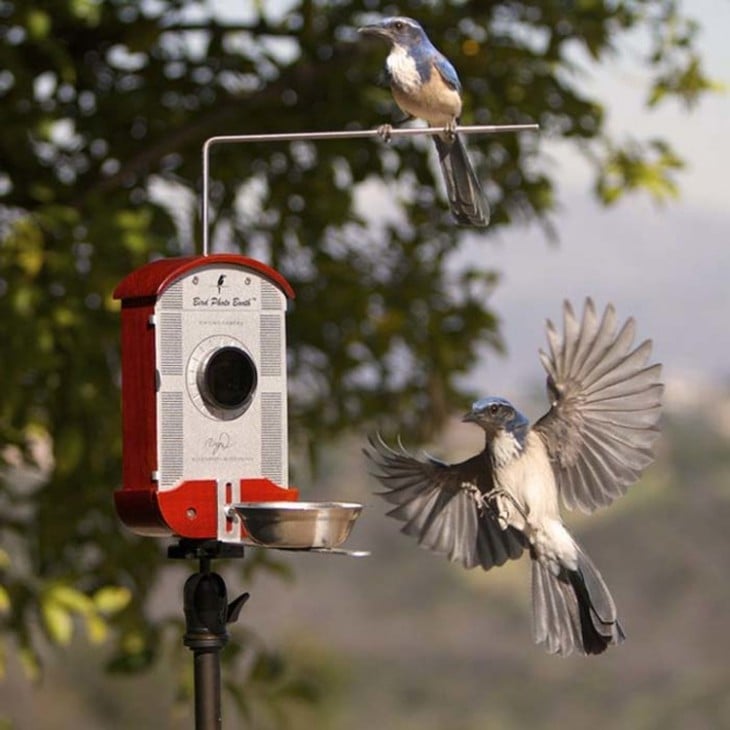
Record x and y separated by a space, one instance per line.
446 70
606 403
438 508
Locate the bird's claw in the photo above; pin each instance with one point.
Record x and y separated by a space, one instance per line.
505 503
487 504
500 510
450 131
503 519
385 132
498 503
481 499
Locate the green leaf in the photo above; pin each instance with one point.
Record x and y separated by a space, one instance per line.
57 621
38 23
89 11
5 604
97 629
111 599
658 92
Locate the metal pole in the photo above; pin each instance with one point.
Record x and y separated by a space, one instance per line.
207 678
339 134
206 615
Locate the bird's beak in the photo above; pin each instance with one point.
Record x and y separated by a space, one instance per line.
376 31
470 417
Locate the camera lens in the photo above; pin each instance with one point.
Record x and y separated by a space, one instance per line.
229 379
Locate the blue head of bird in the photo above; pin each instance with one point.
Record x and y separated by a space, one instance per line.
398 31
497 416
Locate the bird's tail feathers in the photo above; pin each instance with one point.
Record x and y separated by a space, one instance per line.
467 201
572 610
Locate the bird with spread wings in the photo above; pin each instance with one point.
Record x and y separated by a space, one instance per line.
590 446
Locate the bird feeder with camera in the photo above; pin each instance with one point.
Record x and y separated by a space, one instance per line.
204 403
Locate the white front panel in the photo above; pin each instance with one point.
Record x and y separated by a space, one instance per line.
213 309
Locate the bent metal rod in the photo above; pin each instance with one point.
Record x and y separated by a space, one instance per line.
339 134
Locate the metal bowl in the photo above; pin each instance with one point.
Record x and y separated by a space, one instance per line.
298 525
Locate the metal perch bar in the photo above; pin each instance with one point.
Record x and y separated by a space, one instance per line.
339 134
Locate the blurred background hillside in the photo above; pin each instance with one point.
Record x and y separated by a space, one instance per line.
400 319
405 640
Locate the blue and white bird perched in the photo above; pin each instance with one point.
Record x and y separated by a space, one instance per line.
587 449
426 86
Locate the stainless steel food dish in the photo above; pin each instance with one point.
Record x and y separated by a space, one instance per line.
298 525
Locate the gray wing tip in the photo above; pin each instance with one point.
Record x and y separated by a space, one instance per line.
561 359
568 308
381 447
589 307
606 402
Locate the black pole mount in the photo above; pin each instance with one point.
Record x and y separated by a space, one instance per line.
207 615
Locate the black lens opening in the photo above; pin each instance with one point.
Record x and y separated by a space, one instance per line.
230 378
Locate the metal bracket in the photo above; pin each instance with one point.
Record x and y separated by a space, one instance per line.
339 134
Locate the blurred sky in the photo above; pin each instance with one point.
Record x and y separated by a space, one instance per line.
669 266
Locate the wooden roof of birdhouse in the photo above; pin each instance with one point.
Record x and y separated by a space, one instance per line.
151 280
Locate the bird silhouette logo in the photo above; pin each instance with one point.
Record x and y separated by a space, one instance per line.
220 283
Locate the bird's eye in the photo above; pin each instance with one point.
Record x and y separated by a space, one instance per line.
398 25
494 409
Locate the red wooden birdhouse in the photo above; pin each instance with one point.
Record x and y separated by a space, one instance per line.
204 394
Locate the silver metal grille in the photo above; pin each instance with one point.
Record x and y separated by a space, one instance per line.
171 438
271 326
270 296
271 437
173 296
171 349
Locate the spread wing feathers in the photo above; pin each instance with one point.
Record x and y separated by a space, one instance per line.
468 204
606 402
438 508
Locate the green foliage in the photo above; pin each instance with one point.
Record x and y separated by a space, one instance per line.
634 167
59 604
104 101
270 687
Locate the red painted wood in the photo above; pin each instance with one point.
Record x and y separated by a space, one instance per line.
153 278
191 509
139 511
139 418
264 490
